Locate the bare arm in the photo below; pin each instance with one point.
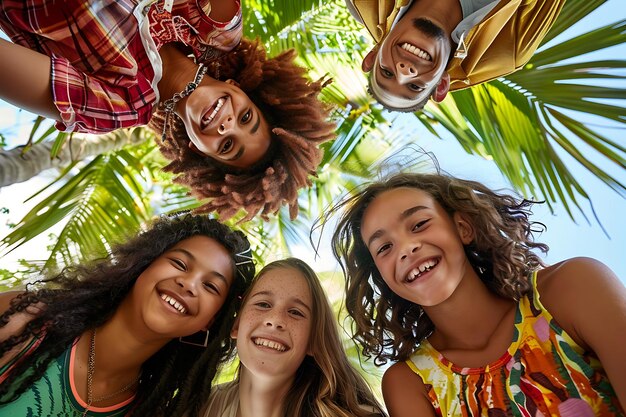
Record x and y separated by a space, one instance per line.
15 325
25 79
589 303
404 393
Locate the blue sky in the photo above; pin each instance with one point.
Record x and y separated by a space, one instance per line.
565 237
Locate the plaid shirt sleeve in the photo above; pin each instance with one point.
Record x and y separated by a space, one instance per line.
98 105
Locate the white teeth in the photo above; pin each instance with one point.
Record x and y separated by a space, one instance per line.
416 51
178 306
218 106
270 344
420 269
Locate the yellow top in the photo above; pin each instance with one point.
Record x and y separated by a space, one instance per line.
503 42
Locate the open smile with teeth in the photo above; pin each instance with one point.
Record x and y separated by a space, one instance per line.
259 341
421 269
212 112
178 306
420 53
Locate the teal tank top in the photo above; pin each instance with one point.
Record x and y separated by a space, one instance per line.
54 394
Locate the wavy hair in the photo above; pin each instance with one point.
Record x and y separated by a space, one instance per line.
389 327
326 385
176 379
299 124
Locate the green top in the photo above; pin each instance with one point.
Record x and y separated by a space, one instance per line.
54 394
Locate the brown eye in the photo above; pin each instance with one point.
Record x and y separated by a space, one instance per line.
415 87
246 117
228 145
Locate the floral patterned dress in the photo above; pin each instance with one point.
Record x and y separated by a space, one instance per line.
543 373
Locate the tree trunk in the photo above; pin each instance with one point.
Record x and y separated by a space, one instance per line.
17 167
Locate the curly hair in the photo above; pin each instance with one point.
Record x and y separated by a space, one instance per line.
298 122
389 327
175 380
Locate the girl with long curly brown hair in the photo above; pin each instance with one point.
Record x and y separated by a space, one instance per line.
292 362
138 333
241 129
441 278
295 120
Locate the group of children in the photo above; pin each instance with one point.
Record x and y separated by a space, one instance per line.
442 278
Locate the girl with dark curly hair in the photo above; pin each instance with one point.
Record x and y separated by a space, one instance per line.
442 279
242 129
292 360
139 333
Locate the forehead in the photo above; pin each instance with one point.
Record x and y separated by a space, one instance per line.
283 283
206 253
387 207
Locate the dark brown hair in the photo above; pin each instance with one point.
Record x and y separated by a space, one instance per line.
299 124
174 381
389 327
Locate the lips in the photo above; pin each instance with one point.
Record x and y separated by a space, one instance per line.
417 51
422 268
213 111
270 344
175 302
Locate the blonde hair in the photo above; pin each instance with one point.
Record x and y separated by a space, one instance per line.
326 385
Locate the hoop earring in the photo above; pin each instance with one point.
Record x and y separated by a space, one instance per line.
191 341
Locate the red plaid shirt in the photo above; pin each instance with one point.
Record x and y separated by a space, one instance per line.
104 77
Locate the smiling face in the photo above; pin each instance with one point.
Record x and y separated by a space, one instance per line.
274 325
182 290
416 246
410 63
224 124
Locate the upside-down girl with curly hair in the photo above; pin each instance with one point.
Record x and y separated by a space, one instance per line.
242 129
441 278
292 362
138 333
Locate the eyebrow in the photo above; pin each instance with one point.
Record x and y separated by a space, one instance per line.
405 214
256 125
193 258
294 299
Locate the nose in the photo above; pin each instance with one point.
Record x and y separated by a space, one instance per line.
405 71
408 249
275 319
225 125
189 284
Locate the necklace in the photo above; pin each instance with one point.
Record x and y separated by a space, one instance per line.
168 105
91 368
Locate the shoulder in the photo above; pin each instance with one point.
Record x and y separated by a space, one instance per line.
568 277
17 321
223 397
577 291
404 392
6 298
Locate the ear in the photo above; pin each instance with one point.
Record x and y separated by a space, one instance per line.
234 332
232 82
464 227
442 88
368 61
